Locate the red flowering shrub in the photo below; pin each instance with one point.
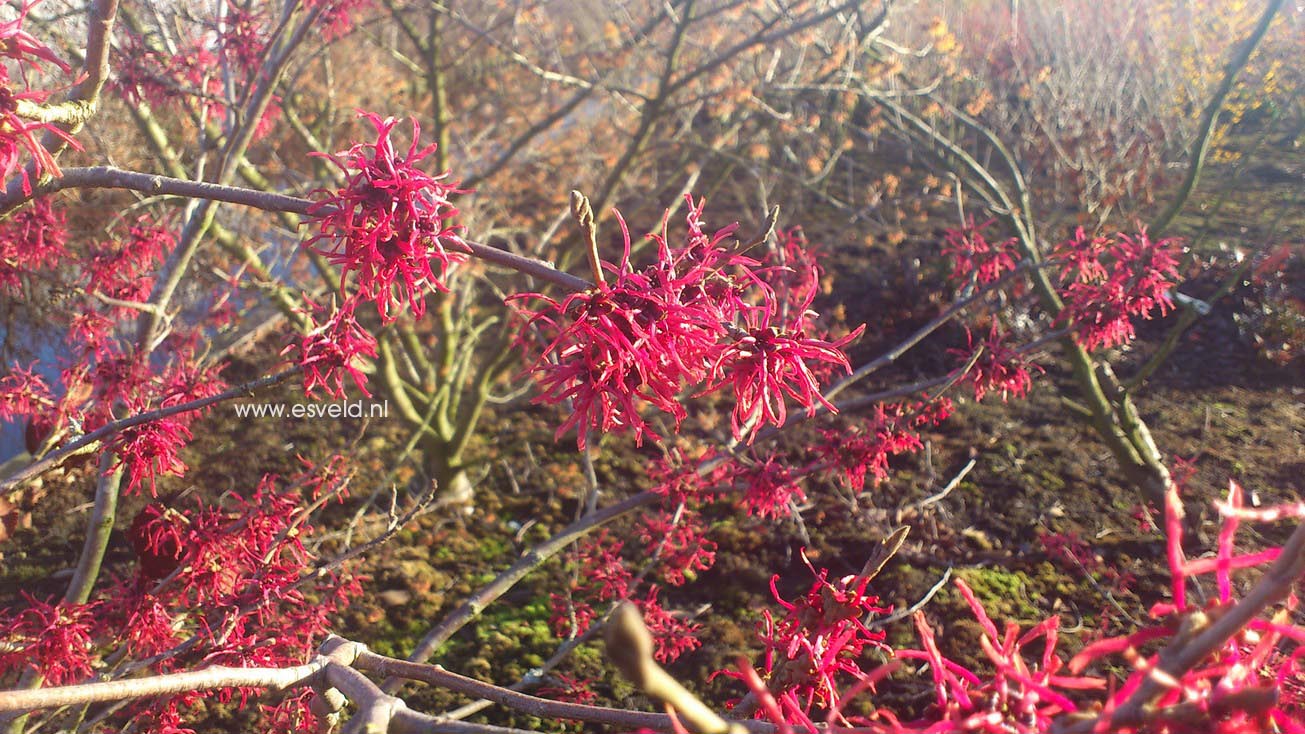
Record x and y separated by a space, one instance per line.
569 689
1020 696
23 393
770 487
148 450
144 71
863 451
103 376
812 660
1105 282
124 269
157 537
682 481
196 75
794 269
672 636
603 367
151 449
241 37
234 581
338 16
1237 687
230 585
604 579
678 542
767 364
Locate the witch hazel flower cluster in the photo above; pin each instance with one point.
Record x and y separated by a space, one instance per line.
697 311
22 54
701 316
199 74
673 537
121 384
229 583
1248 683
860 453
767 485
390 230
995 366
817 644
389 224
1106 282
31 240
1026 690
102 375
607 579
973 255
333 349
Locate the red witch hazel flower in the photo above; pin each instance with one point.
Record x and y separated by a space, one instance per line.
672 636
639 338
975 255
145 72
679 544
331 349
562 687
242 38
156 536
1020 697
17 130
123 270
150 449
1249 683
338 15
863 452
23 393
389 222
606 363
151 628
767 363
606 579
997 367
794 268
818 641
770 488
147 450
683 481
32 239
55 639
